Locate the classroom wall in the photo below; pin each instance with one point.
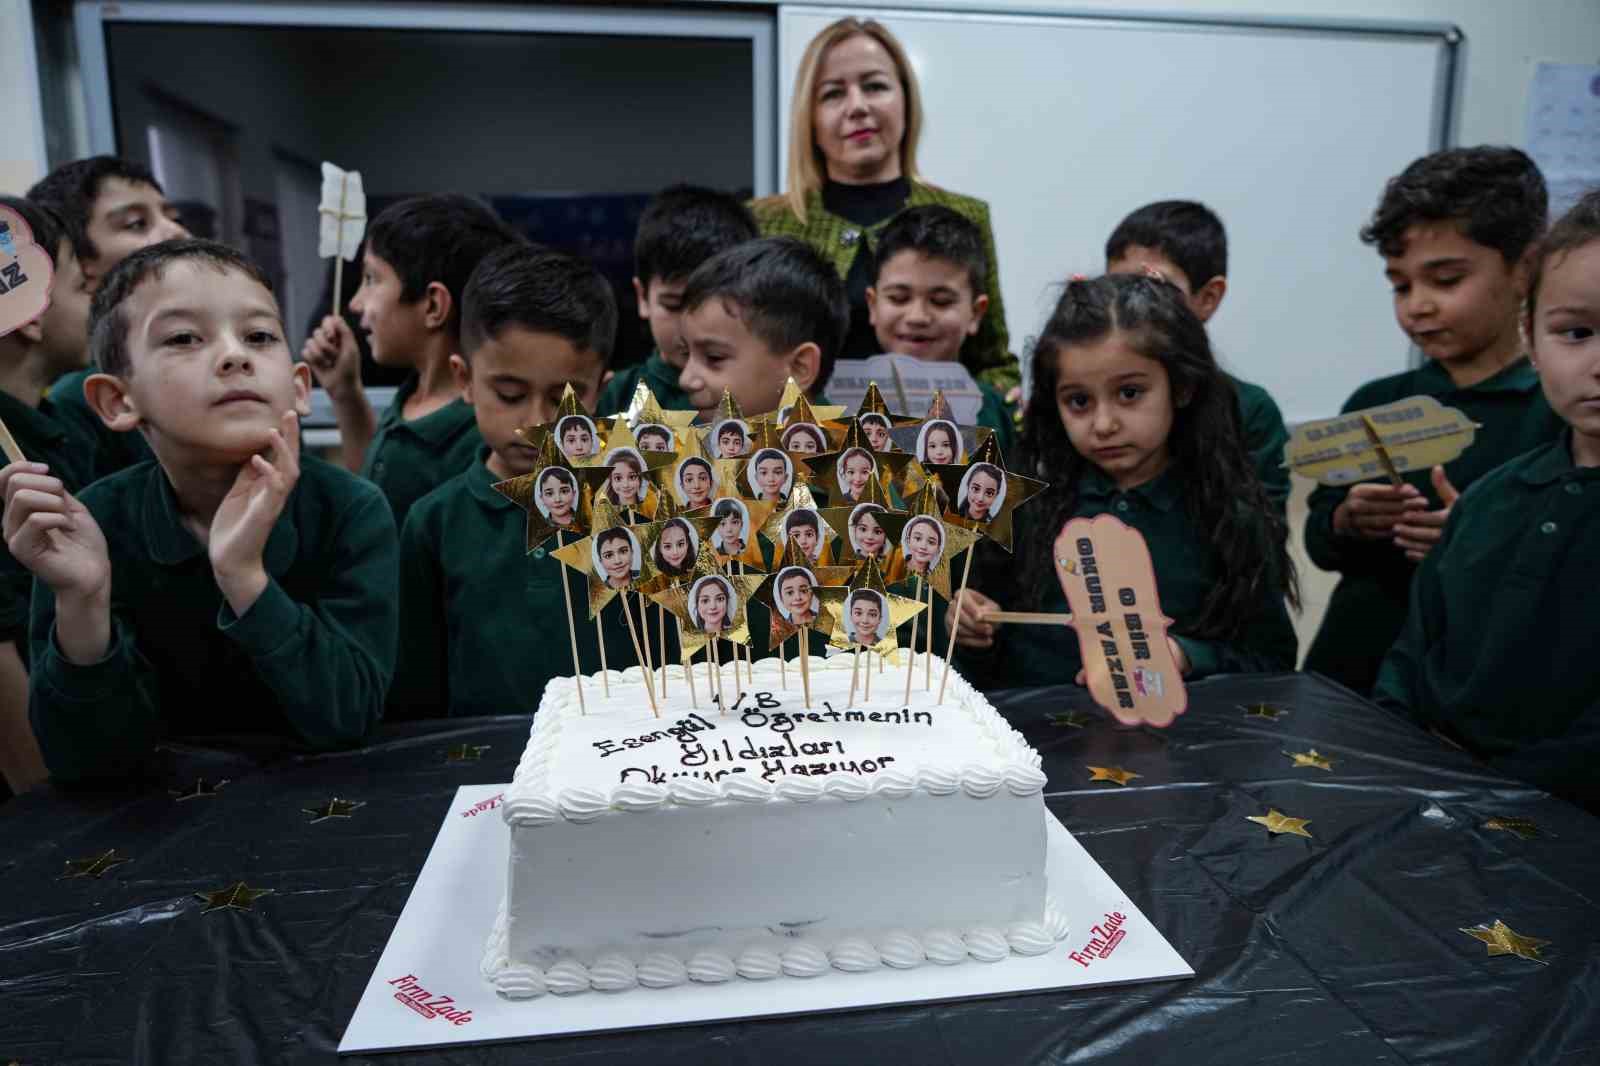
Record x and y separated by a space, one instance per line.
22 146
1504 39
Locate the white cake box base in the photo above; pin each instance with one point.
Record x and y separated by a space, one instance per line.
427 990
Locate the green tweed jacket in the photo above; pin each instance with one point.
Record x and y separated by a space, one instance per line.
987 355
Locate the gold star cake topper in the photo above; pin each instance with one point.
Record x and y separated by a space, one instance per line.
1278 822
983 495
644 414
1503 940
868 614
793 594
844 473
552 495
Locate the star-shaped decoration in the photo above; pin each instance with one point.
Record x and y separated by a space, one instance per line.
1069 720
983 495
1525 828
866 600
738 521
577 433
466 752
334 808
793 594
237 896
613 538
1502 940
1114 774
1311 758
797 427
796 406
937 438
645 410
730 433
623 475
202 789
690 598
845 473
553 496
95 867
800 518
949 540
1278 822
1264 710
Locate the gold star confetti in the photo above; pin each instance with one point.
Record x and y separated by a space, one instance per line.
1263 710
202 790
1310 758
1525 828
1070 720
237 896
94 867
1502 940
1115 774
1278 822
334 808
466 752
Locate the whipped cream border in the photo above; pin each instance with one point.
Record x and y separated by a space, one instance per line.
896 949
530 802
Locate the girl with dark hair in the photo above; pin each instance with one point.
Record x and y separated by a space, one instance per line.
675 548
1130 416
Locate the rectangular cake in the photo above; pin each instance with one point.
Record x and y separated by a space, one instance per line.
769 839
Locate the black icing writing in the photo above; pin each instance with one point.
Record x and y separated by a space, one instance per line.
786 721
1091 575
655 775
774 768
750 751
683 731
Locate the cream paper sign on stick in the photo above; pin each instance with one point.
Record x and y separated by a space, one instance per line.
1105 570
342 221
1411 434
25 273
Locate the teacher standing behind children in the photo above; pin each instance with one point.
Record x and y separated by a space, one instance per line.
855 120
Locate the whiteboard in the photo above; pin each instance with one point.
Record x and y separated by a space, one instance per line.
1066 124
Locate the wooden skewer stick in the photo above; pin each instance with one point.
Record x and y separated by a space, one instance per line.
955 605
605 671
716 659
1029 618
633 631
805 664
867 695
855 664
8 444
911 661
927 658
572 629
783 664
688 665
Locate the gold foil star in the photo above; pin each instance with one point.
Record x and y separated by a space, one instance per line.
94 867
801 515
1310 758
201 790
237 896
609 479
866 600
645 410
1069 720
794 401
928 502
845 473
577 433
1115 774
793 594
553 496
466 752
982 494
1525 828
1278 822
334 808
1502 940
1264 710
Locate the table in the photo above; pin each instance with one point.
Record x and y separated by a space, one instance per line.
1345 947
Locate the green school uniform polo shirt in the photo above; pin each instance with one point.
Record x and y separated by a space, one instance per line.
483 625
1185 570
310 660
107 451
42 439
1501 649
1261 424
660 375
409 458
1368 606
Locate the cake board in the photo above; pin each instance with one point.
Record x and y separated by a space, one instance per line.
427 990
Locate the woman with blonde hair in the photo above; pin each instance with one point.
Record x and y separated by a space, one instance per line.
855 120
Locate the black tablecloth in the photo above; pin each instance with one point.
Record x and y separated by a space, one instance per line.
1345 947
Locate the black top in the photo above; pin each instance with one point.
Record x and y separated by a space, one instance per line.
865 205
